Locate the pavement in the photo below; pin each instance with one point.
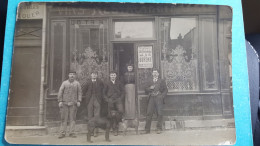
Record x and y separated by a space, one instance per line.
207 136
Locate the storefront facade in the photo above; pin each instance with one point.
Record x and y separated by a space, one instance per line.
193 62
189 44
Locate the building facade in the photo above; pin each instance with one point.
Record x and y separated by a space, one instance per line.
189 44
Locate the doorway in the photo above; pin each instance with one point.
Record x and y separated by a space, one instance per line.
123 54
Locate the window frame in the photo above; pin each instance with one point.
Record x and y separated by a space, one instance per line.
200 89
149 19
64 54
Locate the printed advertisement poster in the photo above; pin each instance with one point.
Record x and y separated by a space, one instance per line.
145 57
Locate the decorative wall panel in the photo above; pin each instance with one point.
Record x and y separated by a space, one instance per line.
209 54
58 54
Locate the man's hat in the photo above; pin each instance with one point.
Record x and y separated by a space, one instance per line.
129 64
72 71
112 72
94 72
155 69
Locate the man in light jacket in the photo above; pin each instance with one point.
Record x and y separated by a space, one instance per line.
69 98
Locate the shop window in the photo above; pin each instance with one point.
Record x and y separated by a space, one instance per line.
133 30
189 53
89 47
179 57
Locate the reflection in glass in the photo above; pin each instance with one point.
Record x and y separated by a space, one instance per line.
181 26
139 29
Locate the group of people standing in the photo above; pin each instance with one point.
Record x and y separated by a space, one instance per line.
103 97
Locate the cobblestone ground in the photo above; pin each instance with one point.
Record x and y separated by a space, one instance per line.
184 137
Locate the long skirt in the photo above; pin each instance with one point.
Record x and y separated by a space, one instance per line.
130 101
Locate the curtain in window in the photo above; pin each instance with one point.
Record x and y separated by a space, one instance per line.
179 55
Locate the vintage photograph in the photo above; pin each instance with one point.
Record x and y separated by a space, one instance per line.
97 73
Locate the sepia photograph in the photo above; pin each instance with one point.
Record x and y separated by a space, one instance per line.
98 73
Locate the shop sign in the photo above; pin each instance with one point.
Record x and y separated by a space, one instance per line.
108 11
145 56
31 11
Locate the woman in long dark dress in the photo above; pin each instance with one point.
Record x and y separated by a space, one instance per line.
129 78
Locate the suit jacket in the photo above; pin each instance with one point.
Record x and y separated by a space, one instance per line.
97 90
160 86
114 91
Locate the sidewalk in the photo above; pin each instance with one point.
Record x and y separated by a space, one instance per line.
217 136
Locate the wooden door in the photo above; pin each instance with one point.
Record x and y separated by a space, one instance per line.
144 63
23 106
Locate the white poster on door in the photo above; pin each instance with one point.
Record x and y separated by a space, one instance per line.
145 56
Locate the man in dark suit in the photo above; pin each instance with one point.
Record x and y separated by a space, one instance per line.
94 96
156 91
114 94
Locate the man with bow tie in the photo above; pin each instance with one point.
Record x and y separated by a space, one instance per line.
156 91
94 95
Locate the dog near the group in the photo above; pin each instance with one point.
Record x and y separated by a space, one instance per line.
130 123
99 122
105 123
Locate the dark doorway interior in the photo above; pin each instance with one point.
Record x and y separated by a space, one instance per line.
123 54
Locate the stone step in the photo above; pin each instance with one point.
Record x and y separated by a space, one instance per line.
17 131
172 124
167 125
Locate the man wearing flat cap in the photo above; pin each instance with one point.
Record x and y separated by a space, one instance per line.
69 98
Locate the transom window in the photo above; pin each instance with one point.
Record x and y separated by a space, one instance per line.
133 29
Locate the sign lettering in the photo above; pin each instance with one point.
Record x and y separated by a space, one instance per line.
31 11
145 57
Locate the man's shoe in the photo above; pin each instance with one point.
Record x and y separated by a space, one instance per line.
115 133
146 132
61 136
73 135
159 131
95 134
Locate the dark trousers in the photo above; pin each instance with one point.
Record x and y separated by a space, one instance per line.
68 113
93 108
117 106
155 104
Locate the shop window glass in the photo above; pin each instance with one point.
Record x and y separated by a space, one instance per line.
133 30
179 57
89 47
